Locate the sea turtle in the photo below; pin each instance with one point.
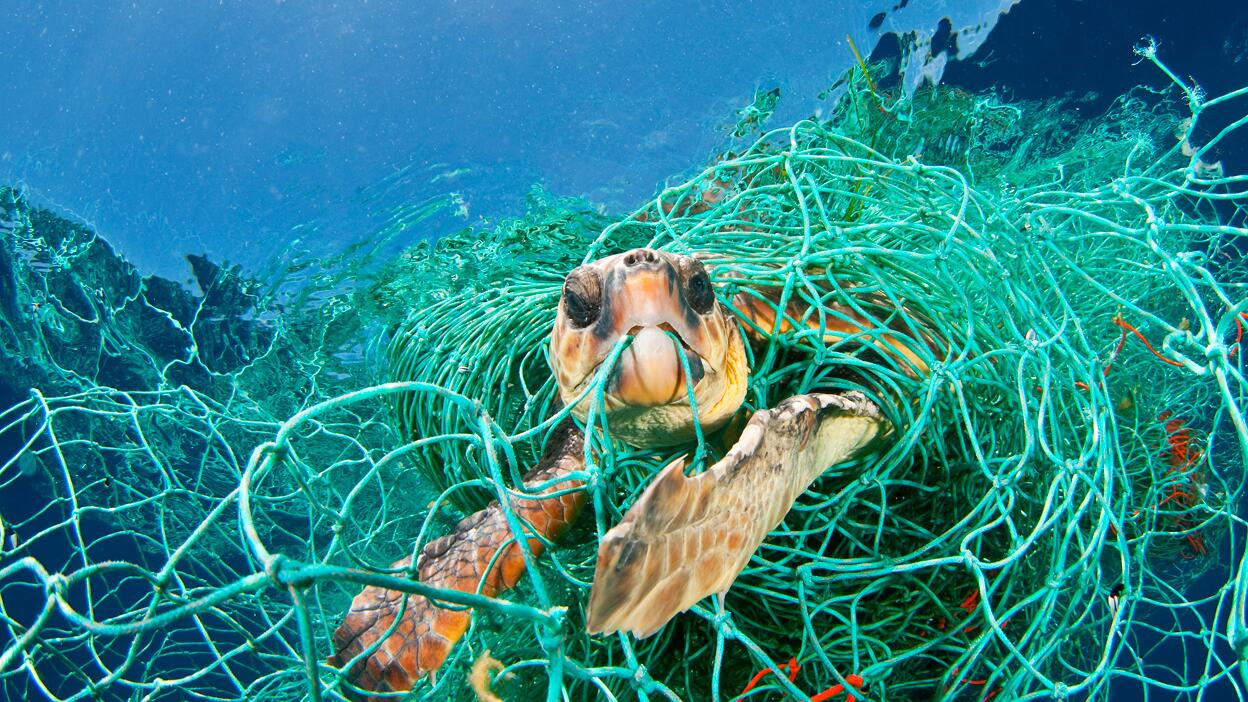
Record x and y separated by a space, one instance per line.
686 537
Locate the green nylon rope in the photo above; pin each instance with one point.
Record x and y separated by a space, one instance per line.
200 489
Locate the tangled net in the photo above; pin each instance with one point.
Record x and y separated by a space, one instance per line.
201 482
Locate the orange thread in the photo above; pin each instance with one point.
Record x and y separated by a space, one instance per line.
855 680
1197 543
1239 334
969 681
970 603
791 665
1182 456
1117 349
1127 326
1179 438
1176 492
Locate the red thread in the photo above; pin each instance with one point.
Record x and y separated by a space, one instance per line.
855 680
1239 335
793 667
971 602
1114 356
1125 325
1184 491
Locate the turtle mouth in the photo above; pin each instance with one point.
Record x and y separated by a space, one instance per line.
650 373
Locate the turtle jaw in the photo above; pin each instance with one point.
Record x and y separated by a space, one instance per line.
647 404
650 372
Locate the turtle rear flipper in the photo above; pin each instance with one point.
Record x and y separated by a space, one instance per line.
463 560
689 537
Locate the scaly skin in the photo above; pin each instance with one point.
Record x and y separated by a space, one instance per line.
458 561
686 537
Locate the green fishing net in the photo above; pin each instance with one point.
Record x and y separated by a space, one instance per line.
202 478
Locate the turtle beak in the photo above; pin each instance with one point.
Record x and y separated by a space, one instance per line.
650 372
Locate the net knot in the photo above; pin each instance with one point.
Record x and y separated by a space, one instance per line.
940 374
273 568
969 559
548 636
1060 691
591 474
277 449
807 575
641 678
56 586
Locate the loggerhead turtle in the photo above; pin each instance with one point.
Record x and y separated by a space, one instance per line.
686 537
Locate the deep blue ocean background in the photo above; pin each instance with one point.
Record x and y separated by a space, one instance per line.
224 127
232 129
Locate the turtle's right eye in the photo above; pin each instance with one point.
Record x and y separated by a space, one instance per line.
699 293
582 297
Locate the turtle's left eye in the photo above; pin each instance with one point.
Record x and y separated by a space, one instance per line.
701 296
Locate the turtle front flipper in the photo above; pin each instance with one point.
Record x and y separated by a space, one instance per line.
689 537
463 560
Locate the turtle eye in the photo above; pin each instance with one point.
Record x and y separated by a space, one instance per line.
582 297
701 296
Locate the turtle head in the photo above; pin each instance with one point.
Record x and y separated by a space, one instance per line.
665 301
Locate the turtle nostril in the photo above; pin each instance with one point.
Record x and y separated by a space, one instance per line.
637 257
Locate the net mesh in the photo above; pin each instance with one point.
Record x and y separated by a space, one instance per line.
202 479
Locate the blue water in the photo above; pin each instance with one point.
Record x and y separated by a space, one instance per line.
212 127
